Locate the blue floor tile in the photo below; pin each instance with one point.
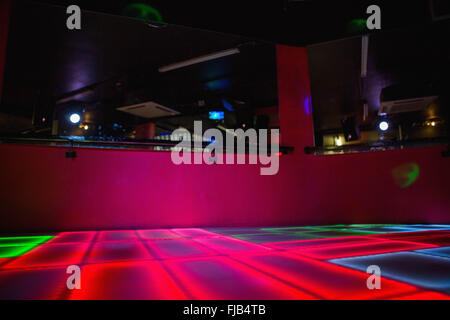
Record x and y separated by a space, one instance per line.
422 270
442 252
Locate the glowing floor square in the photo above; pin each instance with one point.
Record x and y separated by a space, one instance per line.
127 280
293 262
442 252
118 251
14 251
223 278
324 280
177 248
422 270
23 240
74 237
371 248
34 284
50 255
16 246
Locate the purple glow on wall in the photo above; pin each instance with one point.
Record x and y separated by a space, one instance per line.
307 105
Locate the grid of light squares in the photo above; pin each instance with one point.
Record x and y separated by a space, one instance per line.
323 262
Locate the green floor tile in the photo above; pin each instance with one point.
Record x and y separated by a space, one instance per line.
15 251
18 241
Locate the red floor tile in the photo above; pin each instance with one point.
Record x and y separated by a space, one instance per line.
442 241
426 295
221 278
73 237
118 251
361 249
3 261
226 245
194 233
439 238
35 284
157 234
117 235
50 255
177 248
343 241
326 280
409 235
15 251
127 280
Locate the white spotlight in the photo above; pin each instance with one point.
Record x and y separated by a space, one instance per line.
74 118
383 125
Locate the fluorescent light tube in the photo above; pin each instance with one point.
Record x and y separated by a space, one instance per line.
364 55
208 57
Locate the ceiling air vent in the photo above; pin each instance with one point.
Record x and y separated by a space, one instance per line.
406 98
406 105
148 110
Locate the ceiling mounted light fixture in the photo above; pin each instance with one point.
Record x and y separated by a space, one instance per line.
383 125
74 118
190 62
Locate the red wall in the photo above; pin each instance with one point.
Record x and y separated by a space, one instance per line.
43 191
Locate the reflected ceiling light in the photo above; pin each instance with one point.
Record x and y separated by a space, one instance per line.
75 95
208 57
383 125
74 118
216 115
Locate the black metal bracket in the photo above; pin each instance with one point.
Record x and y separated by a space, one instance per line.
70 154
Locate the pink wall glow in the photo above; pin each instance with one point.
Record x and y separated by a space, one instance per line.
41 190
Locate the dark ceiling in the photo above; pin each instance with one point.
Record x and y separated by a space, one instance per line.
114 61
294 22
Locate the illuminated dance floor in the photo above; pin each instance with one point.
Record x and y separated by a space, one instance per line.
321 262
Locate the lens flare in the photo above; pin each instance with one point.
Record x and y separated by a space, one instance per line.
406 174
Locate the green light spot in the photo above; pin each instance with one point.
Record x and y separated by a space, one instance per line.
406 174
143 12
356 25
